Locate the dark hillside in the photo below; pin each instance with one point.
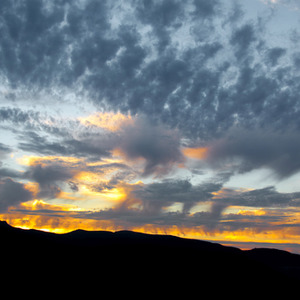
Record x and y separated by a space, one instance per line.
140 259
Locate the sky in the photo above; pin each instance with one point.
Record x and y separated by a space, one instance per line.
170 117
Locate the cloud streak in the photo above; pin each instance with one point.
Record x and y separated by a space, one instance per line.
247 150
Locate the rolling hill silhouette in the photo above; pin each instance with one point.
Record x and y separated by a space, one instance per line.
136 258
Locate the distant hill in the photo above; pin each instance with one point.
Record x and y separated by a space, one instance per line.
144 259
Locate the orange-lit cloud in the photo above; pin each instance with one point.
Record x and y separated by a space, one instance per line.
32 187
62 218
32 160
61 223
252 212
226 193
90 181
42 205
108 120
108 197
102 198
196 153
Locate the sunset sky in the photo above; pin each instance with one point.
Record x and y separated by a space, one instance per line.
172 117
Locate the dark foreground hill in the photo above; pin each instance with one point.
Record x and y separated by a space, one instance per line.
125 258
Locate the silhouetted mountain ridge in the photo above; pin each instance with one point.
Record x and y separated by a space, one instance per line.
145 256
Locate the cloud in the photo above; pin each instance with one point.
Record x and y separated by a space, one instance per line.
205 9
108 120
160 195
12 193
147 204
34 143
131 90
265 197
49 178
227 210
9 173
17 116
99 136
242 38
247 150
4 150
290 4
275 54
133 60
158 146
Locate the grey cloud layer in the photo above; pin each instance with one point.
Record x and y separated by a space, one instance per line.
134 59
154 198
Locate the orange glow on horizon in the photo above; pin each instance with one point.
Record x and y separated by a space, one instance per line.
95 190
69 223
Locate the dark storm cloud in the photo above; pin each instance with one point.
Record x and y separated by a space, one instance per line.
12 193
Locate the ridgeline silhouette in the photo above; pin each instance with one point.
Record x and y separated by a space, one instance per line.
140 258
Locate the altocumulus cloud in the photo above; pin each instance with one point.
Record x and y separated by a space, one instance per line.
134 60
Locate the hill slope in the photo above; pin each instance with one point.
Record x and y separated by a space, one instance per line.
141 258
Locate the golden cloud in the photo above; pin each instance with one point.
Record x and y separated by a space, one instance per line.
108 120
195 153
